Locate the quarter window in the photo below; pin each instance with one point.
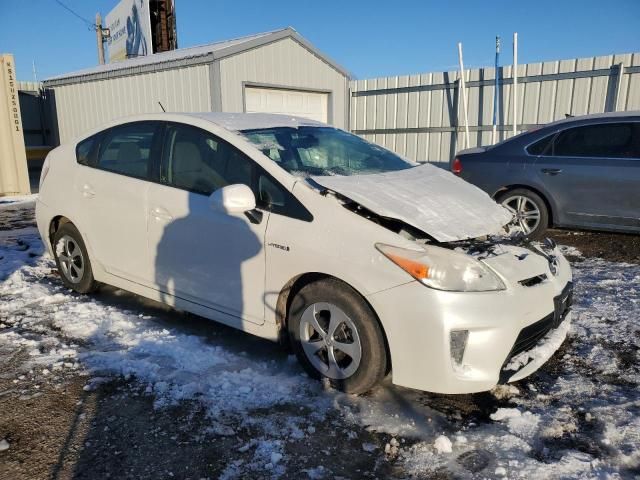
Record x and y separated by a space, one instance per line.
541 147
127 150
84 149
614 140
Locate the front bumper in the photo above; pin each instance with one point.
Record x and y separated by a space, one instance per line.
418 321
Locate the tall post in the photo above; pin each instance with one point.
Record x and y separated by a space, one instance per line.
99 39
14 176
515 83
618 92
496 94
463 98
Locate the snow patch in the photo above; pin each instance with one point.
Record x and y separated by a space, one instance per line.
443 444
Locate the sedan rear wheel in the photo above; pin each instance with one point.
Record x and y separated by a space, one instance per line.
530 214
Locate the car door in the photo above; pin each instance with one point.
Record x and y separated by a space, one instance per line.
112 188
204 256
592 173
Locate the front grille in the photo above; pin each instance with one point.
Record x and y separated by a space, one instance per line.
532 334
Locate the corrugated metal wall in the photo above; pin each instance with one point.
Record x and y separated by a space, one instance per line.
82 106
284 63
417 115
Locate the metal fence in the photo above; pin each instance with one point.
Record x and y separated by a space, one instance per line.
420 116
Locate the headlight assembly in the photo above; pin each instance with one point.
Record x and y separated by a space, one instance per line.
443 269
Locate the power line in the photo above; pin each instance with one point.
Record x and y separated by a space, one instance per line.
90 24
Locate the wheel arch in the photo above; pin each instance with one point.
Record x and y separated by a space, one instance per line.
545 198
55 224
295 284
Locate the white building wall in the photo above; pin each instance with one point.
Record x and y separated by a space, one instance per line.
85 105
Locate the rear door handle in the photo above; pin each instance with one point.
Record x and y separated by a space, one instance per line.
551 171
161 214
87 191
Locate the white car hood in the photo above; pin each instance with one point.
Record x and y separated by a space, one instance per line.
425 197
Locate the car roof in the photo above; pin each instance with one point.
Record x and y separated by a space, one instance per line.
595 116
251 121
234 122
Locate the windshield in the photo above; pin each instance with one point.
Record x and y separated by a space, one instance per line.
306 151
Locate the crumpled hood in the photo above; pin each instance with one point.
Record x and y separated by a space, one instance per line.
426 197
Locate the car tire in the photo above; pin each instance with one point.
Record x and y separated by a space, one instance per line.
72 259
531 203
345 321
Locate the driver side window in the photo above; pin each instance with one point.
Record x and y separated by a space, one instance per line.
198 161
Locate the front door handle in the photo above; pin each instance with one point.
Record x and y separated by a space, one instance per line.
551 171
87 191
161 214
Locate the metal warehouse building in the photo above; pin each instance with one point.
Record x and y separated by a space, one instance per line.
276 72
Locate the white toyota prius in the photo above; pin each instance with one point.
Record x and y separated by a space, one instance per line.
366 263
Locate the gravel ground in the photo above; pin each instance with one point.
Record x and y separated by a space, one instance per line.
96 406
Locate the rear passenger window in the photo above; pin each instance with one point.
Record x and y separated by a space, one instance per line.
615 140
127 150
84 149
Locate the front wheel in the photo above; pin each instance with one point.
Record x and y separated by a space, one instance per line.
530 213
72 259
335 335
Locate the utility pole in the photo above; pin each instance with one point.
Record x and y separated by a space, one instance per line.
463 97
100 39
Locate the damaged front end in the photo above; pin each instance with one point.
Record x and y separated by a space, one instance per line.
482 248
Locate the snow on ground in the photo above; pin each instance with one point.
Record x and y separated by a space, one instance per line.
577 417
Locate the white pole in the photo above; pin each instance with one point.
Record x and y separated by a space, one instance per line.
496 94
464 97
515 83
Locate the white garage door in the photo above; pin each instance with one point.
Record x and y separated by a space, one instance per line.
313 105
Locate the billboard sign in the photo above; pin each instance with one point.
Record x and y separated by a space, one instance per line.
129 25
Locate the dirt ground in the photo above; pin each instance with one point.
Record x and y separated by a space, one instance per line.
60 427
613 247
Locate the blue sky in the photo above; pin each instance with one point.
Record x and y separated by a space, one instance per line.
368 38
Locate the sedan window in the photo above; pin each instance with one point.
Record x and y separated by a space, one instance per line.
613 140
541 147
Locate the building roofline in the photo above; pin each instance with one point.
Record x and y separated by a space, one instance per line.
201 54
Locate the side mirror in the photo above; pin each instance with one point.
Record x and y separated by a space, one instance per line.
236 198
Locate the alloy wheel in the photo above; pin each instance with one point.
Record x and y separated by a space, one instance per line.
330 340
71 259
526 214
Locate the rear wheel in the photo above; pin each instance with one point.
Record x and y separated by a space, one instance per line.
336 335
72 259
530 213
